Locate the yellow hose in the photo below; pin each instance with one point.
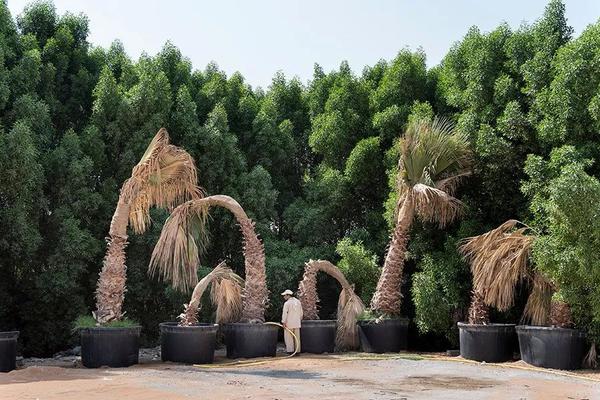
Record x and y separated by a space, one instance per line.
246 363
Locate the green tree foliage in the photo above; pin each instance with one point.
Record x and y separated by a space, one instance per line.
313 163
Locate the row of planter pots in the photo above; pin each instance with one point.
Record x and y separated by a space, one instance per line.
541 346
119 347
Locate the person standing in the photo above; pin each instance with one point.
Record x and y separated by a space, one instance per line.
291 318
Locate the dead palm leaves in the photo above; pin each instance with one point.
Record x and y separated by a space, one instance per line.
350 306
499 262
226 294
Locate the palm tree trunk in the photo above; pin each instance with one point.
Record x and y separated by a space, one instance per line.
255 294
560 314
110 291
387 298
478 311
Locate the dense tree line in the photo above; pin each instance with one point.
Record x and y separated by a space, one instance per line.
312 163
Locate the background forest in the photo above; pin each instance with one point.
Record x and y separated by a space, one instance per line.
313 163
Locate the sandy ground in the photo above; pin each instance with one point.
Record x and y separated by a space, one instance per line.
346 376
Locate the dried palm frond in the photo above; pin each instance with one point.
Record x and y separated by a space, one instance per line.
350 306
478 311
227 300
591 358
183 239
537 309
227 295
165 177
435 205
499 261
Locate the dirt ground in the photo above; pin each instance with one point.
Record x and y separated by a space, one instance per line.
344 376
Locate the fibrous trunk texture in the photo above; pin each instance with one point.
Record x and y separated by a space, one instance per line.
350 306
388 298
560 314
255 294
110 291
478 311
307 292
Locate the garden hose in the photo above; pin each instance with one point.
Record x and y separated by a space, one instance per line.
246 363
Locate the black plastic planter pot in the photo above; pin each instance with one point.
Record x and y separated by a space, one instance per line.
318 336
548 347
489 343
188 344
385 336
8 350
246 340
110 347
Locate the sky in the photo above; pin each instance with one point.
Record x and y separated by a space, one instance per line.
260 37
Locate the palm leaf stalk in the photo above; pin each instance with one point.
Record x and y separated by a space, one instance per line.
183 238
350 306
165 177
500 260
226 294
434 158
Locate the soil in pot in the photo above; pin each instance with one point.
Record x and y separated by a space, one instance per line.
188 344
385 336
548 347
246 340
489 343
110 347
8 350
318 336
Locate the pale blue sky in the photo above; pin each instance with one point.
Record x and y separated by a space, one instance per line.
260 37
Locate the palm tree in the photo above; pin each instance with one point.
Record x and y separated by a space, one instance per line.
434 157
165 177
350 306
500 260
226 294
177 253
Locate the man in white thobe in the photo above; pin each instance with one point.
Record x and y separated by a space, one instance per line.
291 318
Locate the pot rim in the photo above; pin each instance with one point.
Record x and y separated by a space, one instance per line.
112 329
9 335
402 320
525 328
491 325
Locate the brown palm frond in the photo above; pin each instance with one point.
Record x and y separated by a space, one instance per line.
537 309
220 274
165 177
350 306
591 358
183 238
435 205
499 261
227 295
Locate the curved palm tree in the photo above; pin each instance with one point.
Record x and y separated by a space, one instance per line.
177 253
434 157
165 177
226 294
350 306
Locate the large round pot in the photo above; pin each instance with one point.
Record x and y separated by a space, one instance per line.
110 347
384 336
548 347
188 344
247 340
8 350
489 343
318 336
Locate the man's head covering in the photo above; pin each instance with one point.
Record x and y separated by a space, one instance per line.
287 292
